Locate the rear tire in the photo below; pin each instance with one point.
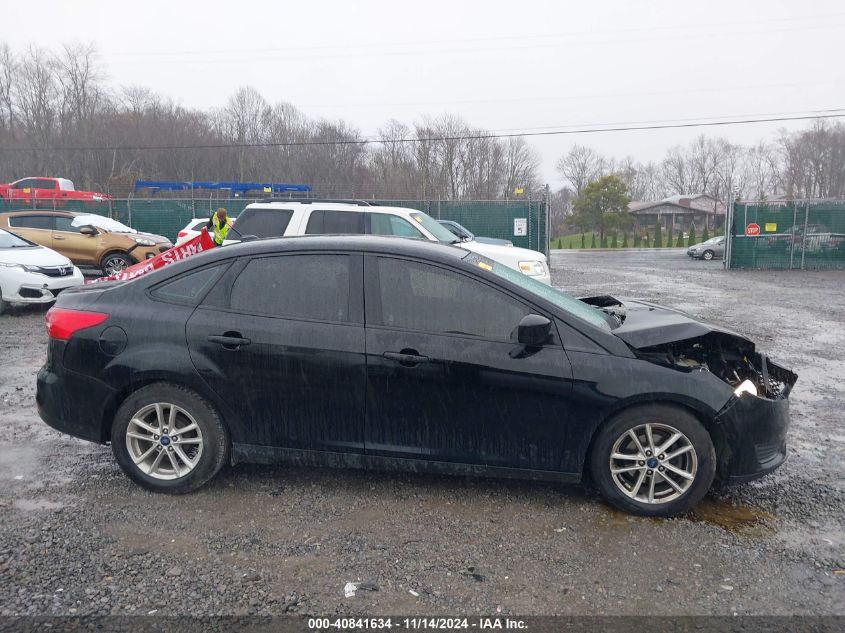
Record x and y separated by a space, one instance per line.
679 459
114 263
167 438
3 304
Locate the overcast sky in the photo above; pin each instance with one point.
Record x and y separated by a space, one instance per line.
502 66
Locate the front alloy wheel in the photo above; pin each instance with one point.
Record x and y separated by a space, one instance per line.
115 263
653 460
708 255
653 463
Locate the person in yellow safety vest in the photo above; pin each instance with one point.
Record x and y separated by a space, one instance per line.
219 224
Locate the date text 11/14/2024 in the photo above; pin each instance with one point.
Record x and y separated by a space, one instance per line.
417 623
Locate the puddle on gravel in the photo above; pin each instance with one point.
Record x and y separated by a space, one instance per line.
740 520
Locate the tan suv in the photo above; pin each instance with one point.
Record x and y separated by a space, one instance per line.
108 247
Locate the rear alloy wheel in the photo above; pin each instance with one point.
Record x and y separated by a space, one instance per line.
169 439
655 460
115 263
707 256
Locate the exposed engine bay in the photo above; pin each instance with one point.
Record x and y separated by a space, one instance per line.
732 359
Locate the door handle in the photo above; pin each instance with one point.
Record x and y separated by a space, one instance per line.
229 340
407 357
58 237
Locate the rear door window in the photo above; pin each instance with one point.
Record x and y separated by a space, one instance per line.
262 222
314 287
32 222
323 222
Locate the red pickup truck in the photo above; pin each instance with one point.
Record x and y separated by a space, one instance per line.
43 188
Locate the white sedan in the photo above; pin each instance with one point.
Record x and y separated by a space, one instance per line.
30 273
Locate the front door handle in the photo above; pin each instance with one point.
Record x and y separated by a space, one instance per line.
407 357
229 340
58 237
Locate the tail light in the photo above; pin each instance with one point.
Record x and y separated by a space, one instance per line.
63 323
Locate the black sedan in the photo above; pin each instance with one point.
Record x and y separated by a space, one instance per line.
373 352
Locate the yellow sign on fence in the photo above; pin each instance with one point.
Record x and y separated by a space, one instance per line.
771 227
518 191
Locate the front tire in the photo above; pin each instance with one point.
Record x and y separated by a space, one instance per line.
707 256
167 438
114 263
653 460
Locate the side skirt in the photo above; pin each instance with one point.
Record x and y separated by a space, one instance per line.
254 454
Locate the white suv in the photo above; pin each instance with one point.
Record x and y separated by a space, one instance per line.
281 218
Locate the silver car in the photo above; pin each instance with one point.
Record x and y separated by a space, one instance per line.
714 247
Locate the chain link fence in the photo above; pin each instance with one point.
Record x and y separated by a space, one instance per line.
523 222
800 234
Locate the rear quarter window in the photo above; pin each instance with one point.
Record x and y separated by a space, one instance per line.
263 222
32 221
189 287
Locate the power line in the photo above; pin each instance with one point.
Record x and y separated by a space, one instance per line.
596 128
345 48
598 39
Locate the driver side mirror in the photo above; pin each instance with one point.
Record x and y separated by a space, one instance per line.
88 230
534 330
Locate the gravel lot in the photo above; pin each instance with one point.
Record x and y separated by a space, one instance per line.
76 537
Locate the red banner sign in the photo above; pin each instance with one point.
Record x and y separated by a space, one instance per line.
752 229
200 243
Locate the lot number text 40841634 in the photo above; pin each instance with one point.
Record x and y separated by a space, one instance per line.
417 623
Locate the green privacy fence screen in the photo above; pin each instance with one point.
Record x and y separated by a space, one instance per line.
799 234
488 218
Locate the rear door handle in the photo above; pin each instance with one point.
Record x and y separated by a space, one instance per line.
406 358
229 340
58 237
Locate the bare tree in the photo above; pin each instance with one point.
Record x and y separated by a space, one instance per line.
581 165
8 77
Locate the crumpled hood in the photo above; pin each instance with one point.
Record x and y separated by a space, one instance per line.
647 324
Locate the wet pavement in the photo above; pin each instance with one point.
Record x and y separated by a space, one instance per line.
76 537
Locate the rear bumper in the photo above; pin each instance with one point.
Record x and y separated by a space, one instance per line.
752 431
66 402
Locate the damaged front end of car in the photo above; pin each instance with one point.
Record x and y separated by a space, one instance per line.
749 431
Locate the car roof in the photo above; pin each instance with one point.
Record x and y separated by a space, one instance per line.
59 212
392 245
330 206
